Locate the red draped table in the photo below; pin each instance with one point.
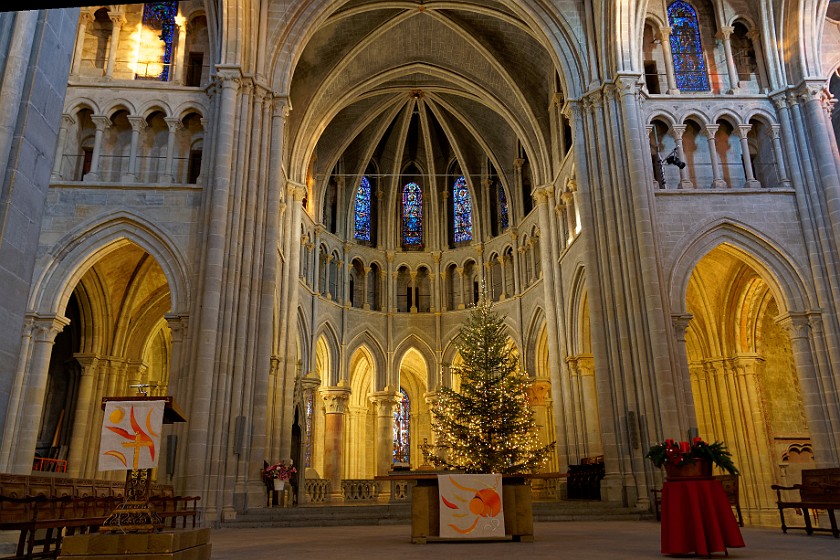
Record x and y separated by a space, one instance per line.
697 518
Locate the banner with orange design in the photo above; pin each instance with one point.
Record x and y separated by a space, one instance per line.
471 506
130 435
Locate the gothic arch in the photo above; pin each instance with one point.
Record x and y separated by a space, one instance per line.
80 248
374 348
775 268
328 333
413 341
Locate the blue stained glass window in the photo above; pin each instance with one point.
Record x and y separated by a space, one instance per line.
461 210
686 48
503 209
412 214
160 16
402 424
310 412
362 221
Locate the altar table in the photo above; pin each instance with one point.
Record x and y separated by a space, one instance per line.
697 518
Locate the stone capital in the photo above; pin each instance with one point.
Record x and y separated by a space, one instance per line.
137 122
335 399
725 32
744 130
710 130
67 120
117 19
385 401
678 130
796 324
101 122
174 124
680 322
47 327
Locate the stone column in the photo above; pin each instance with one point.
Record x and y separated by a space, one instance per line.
503 269
665 37
138 124
677 131
784 180
46 329
181 57
174 124
462 296
517 286
101 122
84 19
724 34
717 182
365 302
383 290
685 401
589 396
413 288
797 327
335 405
385 401
743 131
117 19
85 408
66 121
568 200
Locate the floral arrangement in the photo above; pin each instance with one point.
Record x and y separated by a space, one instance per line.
279 470
682 453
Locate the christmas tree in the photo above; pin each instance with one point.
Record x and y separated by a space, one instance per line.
488 426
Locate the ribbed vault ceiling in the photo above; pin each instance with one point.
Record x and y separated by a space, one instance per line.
402 80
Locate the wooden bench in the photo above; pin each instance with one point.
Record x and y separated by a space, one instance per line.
820 490
730 487
44 521
177 507
44 509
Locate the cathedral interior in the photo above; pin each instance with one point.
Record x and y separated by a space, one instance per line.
281 212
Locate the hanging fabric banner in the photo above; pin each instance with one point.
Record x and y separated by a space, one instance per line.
471 506
130 435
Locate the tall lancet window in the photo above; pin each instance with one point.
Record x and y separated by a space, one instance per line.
687 50
362 220
461 210
503 208
412 215
160 16
402 425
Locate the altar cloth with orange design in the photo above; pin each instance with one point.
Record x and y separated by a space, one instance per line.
471 506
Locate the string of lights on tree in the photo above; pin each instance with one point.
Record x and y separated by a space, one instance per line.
488 425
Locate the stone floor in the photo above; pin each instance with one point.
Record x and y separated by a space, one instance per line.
578 540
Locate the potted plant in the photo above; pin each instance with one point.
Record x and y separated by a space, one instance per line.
278 474
684 459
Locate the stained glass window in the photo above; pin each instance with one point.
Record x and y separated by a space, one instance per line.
461 210
402 423
412 215
160 16
310 412
503 208
686 48
362 221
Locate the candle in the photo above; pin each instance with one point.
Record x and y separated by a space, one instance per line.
684 446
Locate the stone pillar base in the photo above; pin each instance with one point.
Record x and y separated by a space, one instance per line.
187 544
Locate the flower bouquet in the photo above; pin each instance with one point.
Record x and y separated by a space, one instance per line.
695 459
278 474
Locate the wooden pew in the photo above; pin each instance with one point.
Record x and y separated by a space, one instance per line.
819 490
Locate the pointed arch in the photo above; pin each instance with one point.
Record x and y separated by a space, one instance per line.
773 266
425 350
73 254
